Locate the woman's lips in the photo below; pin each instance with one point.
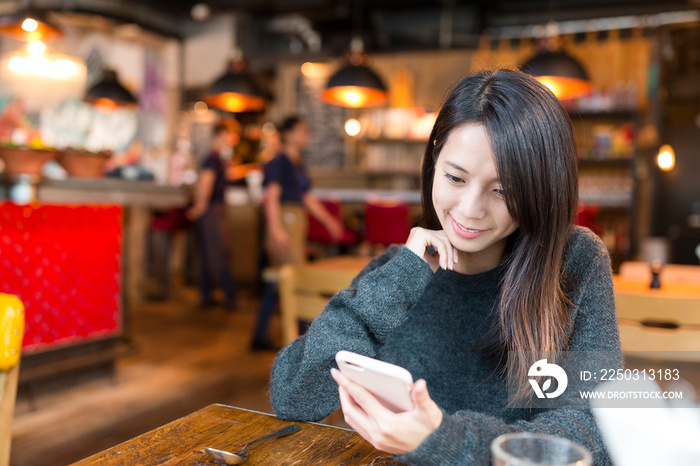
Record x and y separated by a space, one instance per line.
464 232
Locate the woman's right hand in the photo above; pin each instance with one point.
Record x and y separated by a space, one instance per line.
445 255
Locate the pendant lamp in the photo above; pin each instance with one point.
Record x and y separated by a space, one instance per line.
29 26
108 93
236 90
355 85
556 69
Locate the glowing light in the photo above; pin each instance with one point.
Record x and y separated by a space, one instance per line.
565 88
36 47
352 127
354 96
30 25
311 70
34 62
666 159
235 103
201 108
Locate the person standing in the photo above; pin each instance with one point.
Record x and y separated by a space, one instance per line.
286 201
209 212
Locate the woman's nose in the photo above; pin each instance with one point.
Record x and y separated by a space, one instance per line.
472 204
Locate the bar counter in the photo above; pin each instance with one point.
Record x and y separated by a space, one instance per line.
73 250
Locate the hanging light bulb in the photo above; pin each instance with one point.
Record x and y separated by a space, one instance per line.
29 26
666 159
557 70
355 85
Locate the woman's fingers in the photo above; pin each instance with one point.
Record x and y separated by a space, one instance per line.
360 407
421 239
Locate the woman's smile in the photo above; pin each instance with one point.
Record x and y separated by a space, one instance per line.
464 232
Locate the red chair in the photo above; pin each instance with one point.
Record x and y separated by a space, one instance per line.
587 216
318 233
386 222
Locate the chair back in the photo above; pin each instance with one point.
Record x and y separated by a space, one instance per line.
305 290
386 222
317 232
11 333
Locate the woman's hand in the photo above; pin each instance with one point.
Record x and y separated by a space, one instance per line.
395 433
335 228
445 255
280 244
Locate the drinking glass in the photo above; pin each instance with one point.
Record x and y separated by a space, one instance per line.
527 449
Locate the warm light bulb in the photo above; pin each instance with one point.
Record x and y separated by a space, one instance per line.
666 159
352 97
30 25
352 127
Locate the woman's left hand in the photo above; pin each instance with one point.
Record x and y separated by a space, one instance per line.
395 433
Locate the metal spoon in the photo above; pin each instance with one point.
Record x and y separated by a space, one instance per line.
226 457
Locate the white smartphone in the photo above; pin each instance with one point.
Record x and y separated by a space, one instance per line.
391 384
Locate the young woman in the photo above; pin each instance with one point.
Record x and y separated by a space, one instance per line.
498 271
287 200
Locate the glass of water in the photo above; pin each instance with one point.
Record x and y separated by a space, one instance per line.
527 449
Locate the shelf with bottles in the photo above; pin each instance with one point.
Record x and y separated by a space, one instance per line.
607 188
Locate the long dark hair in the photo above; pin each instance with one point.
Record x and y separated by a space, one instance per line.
532 140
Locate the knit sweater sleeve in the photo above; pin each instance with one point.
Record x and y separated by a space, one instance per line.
359 319
465 436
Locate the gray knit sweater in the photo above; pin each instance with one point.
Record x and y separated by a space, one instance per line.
399 311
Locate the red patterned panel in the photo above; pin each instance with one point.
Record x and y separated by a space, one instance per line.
64 262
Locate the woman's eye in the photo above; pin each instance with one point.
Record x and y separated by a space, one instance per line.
499 191
453 179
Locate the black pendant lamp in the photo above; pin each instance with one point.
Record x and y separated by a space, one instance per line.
236 90
29 25
559 71
355 85
108 93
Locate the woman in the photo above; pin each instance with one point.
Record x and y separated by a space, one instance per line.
286 200
497 271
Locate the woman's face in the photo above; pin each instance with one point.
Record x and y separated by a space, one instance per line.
469 199
299 136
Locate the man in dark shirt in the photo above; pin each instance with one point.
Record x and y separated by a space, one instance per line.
208 210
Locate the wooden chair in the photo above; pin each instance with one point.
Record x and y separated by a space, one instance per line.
11 333
306 288
659 325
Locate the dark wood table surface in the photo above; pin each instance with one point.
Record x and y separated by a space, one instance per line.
181 442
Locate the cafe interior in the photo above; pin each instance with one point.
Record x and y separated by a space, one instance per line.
106 115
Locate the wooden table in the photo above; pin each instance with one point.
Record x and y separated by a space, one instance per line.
659 323
182 441
669 289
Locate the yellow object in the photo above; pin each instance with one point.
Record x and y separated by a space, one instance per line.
11 330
